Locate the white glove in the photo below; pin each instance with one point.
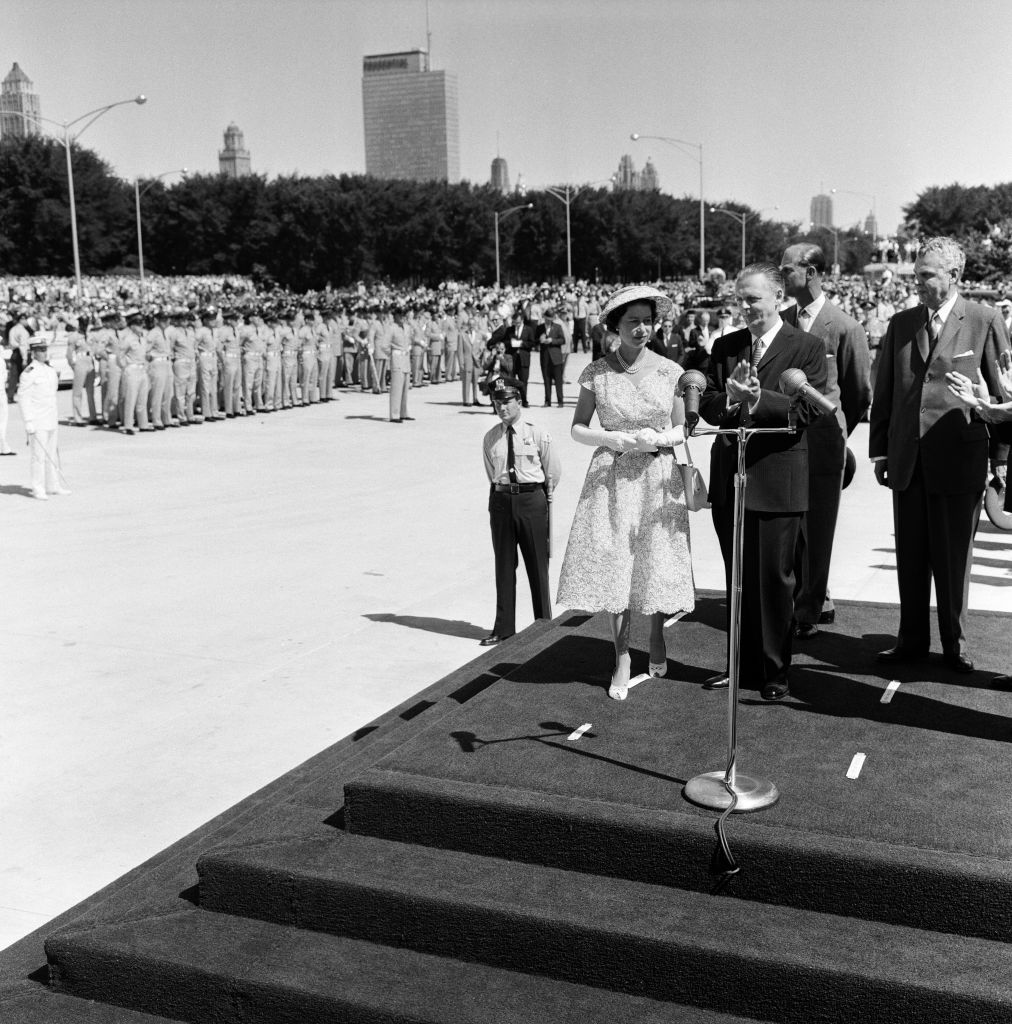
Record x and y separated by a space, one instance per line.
616 440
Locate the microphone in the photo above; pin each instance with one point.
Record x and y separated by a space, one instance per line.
691 385
794 382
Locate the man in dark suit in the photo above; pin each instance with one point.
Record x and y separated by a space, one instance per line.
518 338
665 341
848 387
551 337
742 390
932 451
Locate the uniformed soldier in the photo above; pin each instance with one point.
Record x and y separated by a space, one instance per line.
207 367
253 342
37 388
289 360
103 347
183 342
159 352
324 359
272 362
229 362
80 358
400 367
134 384
308 368
519 461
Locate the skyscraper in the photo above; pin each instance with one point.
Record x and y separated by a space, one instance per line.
649 181
410 114
16 99
627 177
500 175
234 159
821 211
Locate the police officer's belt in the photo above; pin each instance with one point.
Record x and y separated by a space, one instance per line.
517 488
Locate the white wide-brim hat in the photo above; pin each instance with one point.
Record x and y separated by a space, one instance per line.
638 293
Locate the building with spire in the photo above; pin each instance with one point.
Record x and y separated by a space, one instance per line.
234 159
410 115
500 176
649 180
631 180
821 211
19 106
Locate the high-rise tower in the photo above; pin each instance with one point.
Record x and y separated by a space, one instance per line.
234 159
821 211
410 115
19 106
500 175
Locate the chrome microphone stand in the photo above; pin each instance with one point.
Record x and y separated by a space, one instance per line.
720 789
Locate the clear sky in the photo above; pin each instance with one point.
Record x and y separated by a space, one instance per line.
877 97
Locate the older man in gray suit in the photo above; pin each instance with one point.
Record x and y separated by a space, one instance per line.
931 450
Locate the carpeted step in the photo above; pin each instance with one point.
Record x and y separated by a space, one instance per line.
901 885
41 1005
649 940
202 967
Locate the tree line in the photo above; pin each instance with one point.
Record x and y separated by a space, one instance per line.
309 232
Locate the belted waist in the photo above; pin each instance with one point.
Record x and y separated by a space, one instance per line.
517 488
231 355
157 359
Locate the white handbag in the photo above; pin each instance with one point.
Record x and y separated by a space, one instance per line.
693 483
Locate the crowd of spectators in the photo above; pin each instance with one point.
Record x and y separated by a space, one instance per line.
450 327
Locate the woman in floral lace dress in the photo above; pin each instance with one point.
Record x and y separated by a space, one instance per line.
629 545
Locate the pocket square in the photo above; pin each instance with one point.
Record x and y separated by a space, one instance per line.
963 355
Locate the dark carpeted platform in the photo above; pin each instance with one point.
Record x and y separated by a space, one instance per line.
469 858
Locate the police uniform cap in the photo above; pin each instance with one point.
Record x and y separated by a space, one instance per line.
108 314
502 389
132 314
37 343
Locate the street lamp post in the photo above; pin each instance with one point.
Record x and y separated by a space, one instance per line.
680 144
138 192
742 219
90 117
496 217
565 195
862 195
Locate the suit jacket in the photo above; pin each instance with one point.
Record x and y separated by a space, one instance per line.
551 338
777 464
913 413
522 355
848 385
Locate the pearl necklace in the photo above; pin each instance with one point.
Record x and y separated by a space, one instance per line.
628 367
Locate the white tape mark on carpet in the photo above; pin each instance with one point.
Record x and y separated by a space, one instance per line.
577 733
856 764
641 678
889 691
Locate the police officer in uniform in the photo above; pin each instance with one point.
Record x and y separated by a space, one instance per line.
519 461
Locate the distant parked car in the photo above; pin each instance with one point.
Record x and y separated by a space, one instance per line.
57 357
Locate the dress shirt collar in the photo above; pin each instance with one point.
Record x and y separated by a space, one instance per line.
944 309
767 339
814 308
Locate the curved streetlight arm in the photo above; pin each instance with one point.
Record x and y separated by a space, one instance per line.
95 114
157 178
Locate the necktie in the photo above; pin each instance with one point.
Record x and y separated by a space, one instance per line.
757 352
803 317
935 327
511 458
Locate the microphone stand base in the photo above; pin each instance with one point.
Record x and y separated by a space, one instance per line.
708 790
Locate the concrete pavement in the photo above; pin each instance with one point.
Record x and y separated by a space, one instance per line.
214 604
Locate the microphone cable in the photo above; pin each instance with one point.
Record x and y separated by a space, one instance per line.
722 862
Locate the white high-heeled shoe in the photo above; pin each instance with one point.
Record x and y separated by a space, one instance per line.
618 691
658 669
